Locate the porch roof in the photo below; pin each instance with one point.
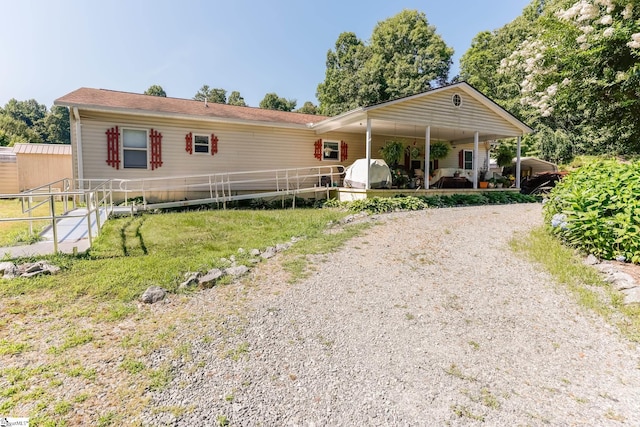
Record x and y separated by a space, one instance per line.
409 116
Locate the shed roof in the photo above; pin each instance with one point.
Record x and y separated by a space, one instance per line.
7 155
110 100
55 149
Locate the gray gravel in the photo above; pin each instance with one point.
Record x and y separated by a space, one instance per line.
426 319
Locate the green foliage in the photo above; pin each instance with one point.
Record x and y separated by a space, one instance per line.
568 68
30 122
439 150
411 203
597 210
272 101
215 95
405 57
236 99
308 108
156 90
392 151
505 154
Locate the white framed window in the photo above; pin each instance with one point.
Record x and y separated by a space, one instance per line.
330 150
135 148
456 100
468 160
201 143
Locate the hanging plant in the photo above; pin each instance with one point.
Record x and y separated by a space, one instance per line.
439 150
505 155
392 152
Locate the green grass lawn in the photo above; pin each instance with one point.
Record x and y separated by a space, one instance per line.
16 232
50 325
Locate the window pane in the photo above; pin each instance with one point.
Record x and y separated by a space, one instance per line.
135 159
201 143
134 138
330 150
468 159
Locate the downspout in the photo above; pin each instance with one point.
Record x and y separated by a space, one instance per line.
368 149
518 170
76 116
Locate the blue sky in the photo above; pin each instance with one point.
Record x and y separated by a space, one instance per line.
51 47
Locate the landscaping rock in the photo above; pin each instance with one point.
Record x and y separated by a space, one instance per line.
270 252
620 281
37 268
236 271
209 279
191 279
632 296
591 260
6 265
153 294
282 247
254 252
241 250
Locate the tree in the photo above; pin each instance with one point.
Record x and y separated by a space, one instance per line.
236 99
405 57
345 86
14 131
56 126
216 95
272 101
410 55
155 90
308 108
28 112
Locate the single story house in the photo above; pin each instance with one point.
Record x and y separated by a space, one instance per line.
127 136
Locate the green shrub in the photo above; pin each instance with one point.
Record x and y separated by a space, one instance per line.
410 203
597 210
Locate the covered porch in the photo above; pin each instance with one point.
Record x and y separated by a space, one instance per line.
457 115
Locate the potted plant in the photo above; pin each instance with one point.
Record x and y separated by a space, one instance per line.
392 152
439 150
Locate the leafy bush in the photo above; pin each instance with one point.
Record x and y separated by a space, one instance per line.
410 203
597 209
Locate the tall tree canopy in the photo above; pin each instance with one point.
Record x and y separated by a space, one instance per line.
573 74
236 99
405 57
308 108
156 90
29 121
217 95
272 101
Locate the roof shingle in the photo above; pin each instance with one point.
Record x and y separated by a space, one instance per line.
101 99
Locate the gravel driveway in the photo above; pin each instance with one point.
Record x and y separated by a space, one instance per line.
428 318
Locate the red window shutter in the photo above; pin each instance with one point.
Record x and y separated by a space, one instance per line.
188 143
344 148
318 149
461 159
214 144
156 149
113 147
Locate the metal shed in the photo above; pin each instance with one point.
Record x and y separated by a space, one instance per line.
8 171
39 164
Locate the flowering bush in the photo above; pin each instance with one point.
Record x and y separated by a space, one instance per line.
597 209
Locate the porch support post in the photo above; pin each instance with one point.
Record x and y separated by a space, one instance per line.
518 163
427 155
368 183
476 158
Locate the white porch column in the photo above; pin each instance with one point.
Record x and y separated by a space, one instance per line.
427 155
518 163
476 158
368 183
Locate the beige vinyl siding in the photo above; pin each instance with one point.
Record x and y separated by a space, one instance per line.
35 170
438 109
8 176
240 147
